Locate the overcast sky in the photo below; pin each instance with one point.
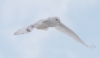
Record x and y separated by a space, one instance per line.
82 16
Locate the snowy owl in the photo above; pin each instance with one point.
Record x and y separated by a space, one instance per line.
55 22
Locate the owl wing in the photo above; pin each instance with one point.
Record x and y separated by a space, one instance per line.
24 30
61 27
28 28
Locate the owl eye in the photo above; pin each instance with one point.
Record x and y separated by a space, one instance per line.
56 19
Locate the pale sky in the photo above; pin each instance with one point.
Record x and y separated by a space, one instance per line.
82 16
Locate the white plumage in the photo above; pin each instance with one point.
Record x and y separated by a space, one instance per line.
44 24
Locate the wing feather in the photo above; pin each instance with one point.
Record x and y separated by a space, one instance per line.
61 27
28 28
24 30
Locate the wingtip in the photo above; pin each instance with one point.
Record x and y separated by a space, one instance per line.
92 46
14 34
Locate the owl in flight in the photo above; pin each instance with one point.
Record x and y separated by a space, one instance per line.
50 22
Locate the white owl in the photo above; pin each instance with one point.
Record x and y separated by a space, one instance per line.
55 22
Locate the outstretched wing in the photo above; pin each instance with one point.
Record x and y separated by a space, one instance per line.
28 28
24 30
61 27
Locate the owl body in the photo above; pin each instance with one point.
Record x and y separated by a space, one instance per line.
46 23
